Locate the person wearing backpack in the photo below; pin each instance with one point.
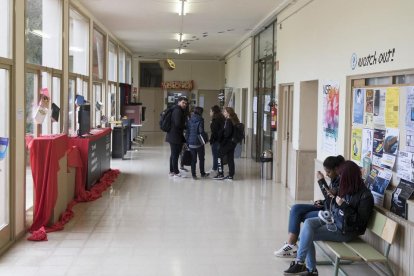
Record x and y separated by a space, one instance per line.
227 144
175 135
195 132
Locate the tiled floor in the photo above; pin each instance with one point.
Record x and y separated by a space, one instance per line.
150 224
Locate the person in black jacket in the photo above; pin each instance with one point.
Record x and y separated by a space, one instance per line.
176 134
300 212
227 146
351 211
195 128
216 125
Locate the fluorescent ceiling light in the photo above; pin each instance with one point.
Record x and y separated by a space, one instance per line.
180 37
76 49
179 51
39 33
181 8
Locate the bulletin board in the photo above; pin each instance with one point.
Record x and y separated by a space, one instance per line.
382 136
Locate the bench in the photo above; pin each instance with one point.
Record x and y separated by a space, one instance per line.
359 250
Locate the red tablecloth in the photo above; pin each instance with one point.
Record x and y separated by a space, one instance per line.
83 146
45 153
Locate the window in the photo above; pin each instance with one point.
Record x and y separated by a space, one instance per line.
111 101
98 103
113 62
44 33
78 43
5 28
128 69
56 90
98 55
121 65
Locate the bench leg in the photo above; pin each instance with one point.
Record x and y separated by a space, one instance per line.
336 266
389 268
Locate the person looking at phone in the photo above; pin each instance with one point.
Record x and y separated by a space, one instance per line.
300 212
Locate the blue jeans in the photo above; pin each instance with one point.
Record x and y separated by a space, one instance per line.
299 213
214 151
316 230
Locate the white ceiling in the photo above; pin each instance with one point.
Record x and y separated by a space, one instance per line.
212 28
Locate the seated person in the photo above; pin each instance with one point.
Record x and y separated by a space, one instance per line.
351 211
300 212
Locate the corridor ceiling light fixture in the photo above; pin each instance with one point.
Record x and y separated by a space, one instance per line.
179 37
178 51
181 7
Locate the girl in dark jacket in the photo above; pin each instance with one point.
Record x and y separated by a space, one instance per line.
353 202
227 145
195 127
216 125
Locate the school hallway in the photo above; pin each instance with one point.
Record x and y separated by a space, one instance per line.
149 224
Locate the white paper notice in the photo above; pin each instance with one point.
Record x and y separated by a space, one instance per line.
405 165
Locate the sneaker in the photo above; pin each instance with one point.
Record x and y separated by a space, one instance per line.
287 251
230 178
296 268
178 175
219 177
205 175
171 174
314 272
183 169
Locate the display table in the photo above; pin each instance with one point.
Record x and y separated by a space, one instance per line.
95 152
47 160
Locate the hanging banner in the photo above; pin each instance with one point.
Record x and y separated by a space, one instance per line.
392 103
358 106
369 108
356 146
330 92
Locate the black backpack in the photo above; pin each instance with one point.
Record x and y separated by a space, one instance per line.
238 133
165 119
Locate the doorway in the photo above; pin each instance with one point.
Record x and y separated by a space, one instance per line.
153 100
286 128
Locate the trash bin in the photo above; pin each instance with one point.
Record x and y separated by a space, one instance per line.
266 169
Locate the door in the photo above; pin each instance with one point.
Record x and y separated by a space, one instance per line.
153 100
286 122
5 232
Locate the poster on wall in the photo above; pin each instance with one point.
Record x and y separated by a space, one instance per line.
392 103
358 106
390 147
405 165
369 108
409 140
367 144
409 117
401 194
379 186
330 92
377 146
379 106
356 145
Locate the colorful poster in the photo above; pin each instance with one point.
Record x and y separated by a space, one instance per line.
390 146
356 145
369 108
409 140
400 196
392 104
409 117
379 106
330 92
405 165
377 146
358 106
379 186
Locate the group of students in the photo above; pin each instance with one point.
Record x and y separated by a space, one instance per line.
192 124
350 205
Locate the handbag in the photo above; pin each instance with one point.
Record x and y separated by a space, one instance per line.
186 157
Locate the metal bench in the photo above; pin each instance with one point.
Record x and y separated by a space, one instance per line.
359 250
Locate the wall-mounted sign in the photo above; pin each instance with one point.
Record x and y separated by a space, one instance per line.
372 59
185 85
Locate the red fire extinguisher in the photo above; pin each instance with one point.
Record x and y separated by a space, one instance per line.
273 121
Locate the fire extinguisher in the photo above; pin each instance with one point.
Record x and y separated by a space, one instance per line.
273 121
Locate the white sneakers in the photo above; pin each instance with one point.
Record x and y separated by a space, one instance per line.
287 251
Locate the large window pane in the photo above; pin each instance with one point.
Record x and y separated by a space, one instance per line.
46 84
121 65
113 62
78 43
128 68
5 28
98 55
98 103
71 109
4 162
266 42
112 101
44 32
56 89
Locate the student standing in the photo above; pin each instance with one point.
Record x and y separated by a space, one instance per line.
175 137
195 129
227 146
216 125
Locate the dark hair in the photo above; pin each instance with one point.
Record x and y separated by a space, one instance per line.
333 162
198 110
217 112
182 98
232 115
351 179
